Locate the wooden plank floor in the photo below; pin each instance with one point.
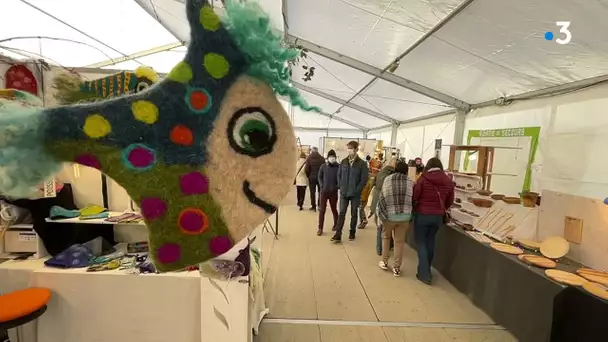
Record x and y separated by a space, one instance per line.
307 277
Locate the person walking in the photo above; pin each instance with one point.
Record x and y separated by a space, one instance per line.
395 212
313 164
433 193
328 181
385 172
301 181
352 177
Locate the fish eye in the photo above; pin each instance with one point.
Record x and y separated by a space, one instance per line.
251 131
141 86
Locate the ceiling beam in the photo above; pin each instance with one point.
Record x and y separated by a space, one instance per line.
344 102
547 92
379 73
420 118
140 54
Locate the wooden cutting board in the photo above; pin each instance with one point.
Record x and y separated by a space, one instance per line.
537 260
565 277
554 247
530 244
597 290
504 248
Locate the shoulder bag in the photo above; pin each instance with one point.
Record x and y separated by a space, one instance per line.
300 170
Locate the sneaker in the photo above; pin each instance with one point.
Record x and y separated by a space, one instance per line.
427 282
379 253
333 229
396 272
314 209
319 232
383 265
351 236
301 208
362 225
336 239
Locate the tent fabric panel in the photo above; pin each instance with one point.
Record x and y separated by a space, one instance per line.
161 62
172 15
346 29
397 102
116 23
362 119
329 75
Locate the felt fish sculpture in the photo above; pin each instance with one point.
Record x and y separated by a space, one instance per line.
208 153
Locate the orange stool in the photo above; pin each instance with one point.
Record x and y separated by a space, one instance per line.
23 306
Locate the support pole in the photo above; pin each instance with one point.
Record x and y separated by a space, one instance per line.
459 124
394 134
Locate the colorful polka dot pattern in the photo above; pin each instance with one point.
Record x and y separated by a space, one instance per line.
153 144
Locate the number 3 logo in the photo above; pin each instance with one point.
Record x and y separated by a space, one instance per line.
564 25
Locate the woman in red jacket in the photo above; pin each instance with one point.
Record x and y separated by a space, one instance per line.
433 193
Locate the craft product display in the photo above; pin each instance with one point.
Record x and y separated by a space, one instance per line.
497 223
511 200
194 151
497 197
537 260
504 248
596 290
565 277
479 237
595 276
554 247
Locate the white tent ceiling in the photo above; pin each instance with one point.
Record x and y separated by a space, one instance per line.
451 53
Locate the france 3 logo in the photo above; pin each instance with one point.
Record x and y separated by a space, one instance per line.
564 32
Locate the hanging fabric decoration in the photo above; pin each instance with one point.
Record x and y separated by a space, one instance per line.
21 78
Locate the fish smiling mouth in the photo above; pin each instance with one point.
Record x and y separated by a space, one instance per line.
251 196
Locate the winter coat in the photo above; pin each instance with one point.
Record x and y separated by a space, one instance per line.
426 199
328 177
385 172
313 165
352 178
301 179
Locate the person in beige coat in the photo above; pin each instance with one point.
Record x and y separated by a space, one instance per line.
301 181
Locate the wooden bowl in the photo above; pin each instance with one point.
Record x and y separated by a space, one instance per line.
482 203
484 192
457 200
497 197
511 200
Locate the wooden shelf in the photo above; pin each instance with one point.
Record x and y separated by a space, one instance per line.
77 220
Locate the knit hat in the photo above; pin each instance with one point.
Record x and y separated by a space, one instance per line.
331 153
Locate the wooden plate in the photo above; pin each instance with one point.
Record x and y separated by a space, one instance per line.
588 270
597 290
555 247
537 260
501 247
527 243
565 277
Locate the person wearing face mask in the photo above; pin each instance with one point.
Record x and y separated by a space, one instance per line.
328 181
352 177
313 165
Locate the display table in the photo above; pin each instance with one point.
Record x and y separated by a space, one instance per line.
517 296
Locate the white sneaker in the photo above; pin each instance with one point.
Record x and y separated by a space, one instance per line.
383 265
396 272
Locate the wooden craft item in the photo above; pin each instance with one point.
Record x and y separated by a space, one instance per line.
596 290
482 203
573 230
537 260
484 192
554 247
511 200
502 222
504 248
497 197
565 277
595 276
484 220
592 271
530 244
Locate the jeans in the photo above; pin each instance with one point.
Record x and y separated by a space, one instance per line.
354 206
425 231
300 194
313 183
332 197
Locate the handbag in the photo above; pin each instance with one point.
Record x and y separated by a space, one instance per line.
446 215
300 170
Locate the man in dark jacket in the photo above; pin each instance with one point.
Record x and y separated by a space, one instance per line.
328 180
352 177
313 165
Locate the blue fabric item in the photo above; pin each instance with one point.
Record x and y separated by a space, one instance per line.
400 217
354 213
379 239
58 213
425 231
75 256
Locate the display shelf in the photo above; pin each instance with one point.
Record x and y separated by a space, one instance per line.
473 191
96 221
22 226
